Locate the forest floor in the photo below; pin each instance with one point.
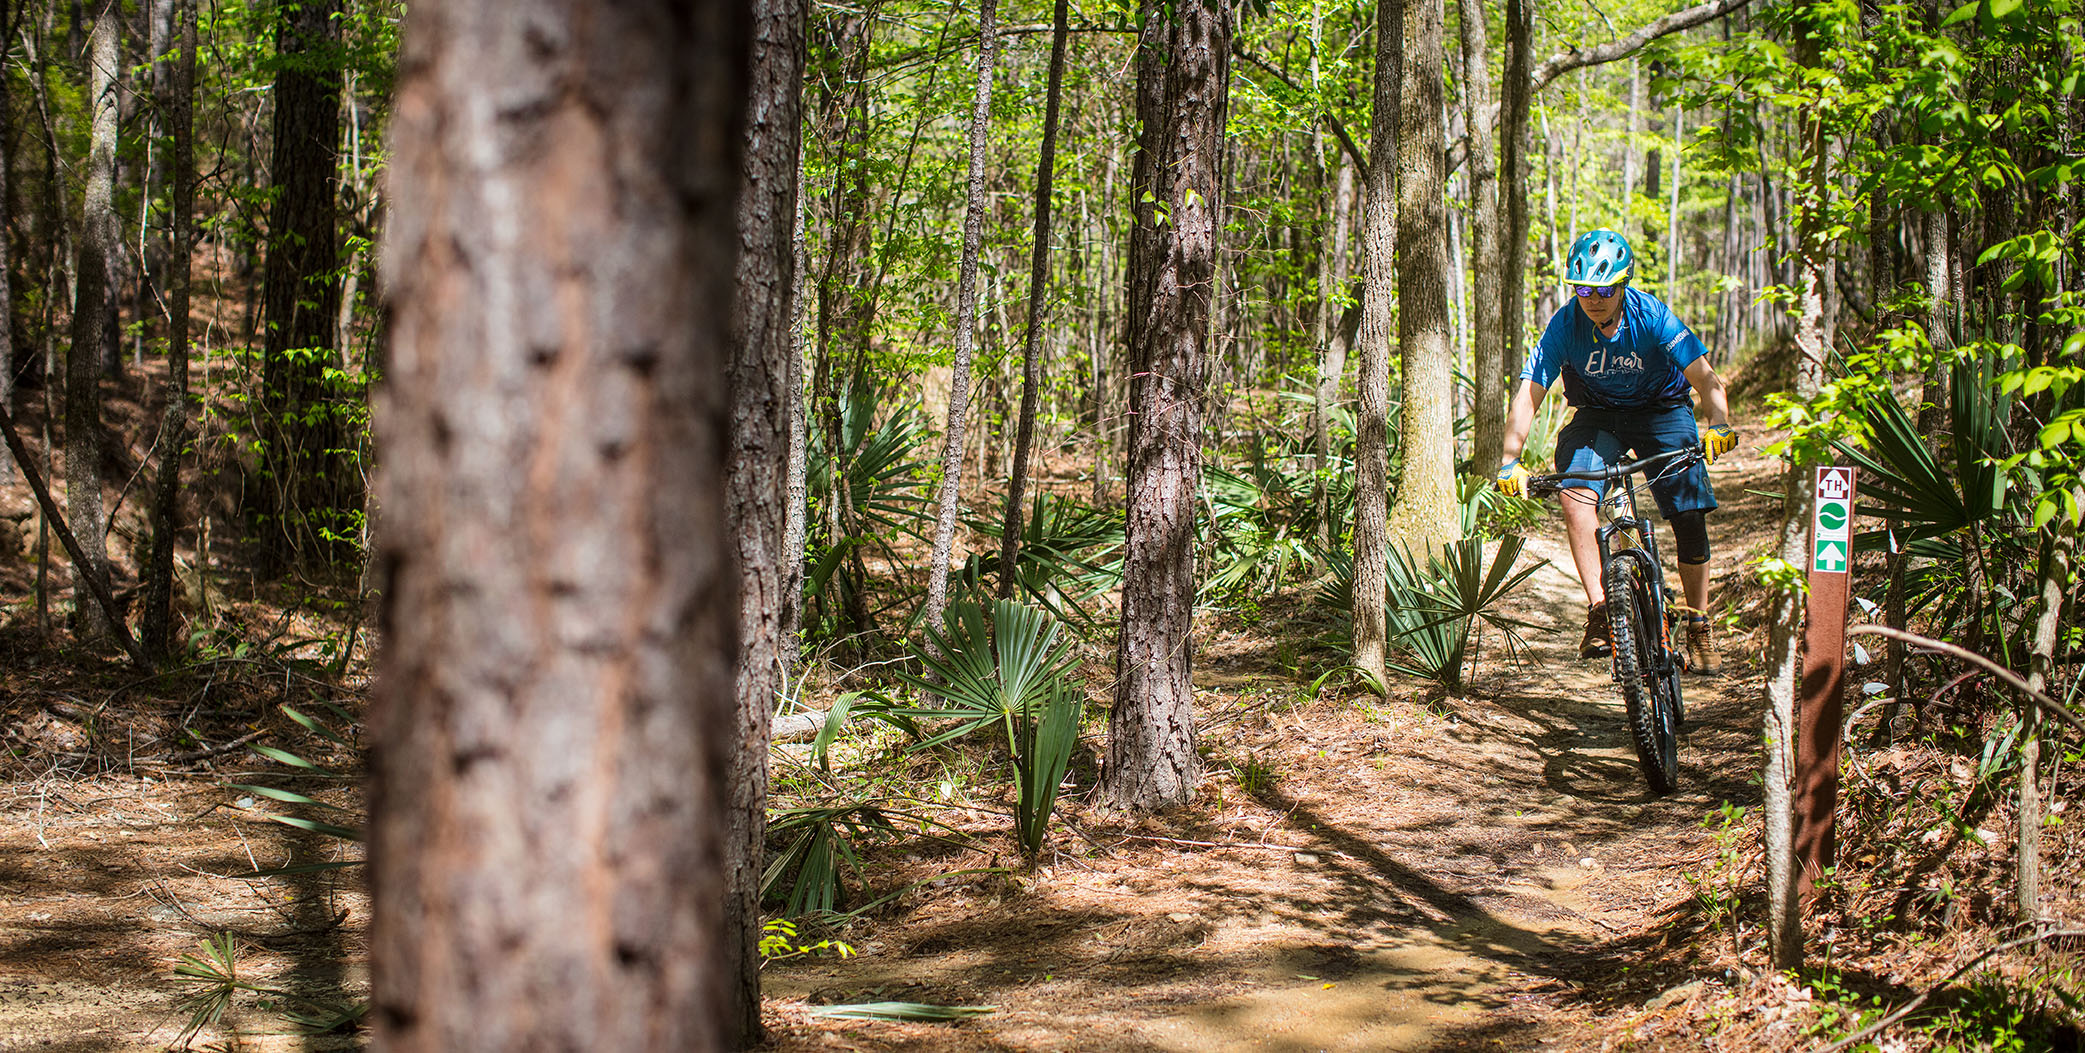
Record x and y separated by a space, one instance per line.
1418 872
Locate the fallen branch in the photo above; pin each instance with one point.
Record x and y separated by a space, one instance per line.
81 569
1912 1006
2053 707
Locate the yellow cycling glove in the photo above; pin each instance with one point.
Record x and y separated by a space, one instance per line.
1720 440
1513 478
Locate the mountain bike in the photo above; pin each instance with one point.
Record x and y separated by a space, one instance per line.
1640 610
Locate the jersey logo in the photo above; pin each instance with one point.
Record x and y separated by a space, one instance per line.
1602 363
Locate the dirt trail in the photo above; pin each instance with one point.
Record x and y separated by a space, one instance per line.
1441 882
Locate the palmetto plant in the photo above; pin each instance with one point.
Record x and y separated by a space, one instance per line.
1431 611
1932 502
1069 554
1261 526
1013 675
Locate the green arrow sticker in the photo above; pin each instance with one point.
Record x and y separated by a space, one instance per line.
1831 557
1831 515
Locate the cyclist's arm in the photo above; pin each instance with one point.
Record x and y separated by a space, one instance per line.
1708 384
1520 417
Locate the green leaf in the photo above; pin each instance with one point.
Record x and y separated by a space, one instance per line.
1961 14
903 1011
2002 10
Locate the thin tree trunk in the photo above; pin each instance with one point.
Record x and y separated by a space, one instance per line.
796 519
2058 546
1378 281
97 243
1513 176
966 321
763 340
1813 341
1672 218
1940 292
554 714
1488 366
178 106
1423 516
1332 342
1038 287
1629 144
846 302
1183 79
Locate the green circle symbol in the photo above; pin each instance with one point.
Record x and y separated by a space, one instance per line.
1831 515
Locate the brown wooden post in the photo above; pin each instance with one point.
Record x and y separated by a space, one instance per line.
1820 708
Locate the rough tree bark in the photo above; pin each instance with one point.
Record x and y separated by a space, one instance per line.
946 506
310 486
1372 418
1183 80
1423 517
1488 355
1038 288
553 718
178 105
1513 178
763 340
90 313
7 140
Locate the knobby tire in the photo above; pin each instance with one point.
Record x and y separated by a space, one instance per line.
1652 719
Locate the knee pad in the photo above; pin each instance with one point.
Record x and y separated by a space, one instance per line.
1690 530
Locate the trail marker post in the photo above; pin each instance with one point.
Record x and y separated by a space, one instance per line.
1821 706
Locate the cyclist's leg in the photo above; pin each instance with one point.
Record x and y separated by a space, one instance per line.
1586 443
1685 499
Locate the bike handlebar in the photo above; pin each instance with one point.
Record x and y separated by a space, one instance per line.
1612 472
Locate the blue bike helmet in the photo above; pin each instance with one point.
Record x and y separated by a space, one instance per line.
1599 257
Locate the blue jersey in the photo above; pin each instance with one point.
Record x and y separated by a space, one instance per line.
1641 367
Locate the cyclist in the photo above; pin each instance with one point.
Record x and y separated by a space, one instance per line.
1627 363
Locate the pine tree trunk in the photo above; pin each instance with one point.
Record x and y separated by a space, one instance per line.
763 340
178 105
946 506
312 487
8 365
1372 421
1488 346
97 243
1038 288
1424 515
1183 77
554 715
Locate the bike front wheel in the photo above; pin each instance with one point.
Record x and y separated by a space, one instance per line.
1650 700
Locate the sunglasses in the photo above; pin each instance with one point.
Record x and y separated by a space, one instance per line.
1603 291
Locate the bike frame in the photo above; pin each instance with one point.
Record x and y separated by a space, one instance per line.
1618 506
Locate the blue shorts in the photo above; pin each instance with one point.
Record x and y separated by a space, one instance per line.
1597 438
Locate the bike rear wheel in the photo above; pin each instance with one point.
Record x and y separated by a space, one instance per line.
1650 700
